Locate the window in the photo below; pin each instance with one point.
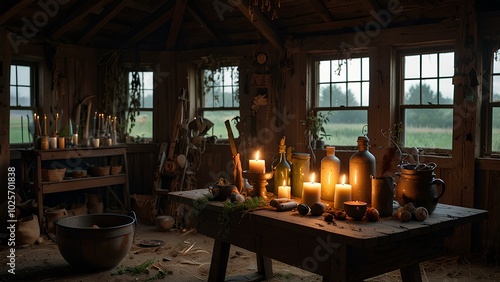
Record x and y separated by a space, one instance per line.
22 103
143 126
342 88
220 101
494 103
427 100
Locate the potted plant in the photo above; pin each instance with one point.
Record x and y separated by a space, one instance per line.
315 128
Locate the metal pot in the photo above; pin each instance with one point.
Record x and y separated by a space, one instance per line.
95 241
418 185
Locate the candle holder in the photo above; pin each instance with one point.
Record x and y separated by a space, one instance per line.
259 182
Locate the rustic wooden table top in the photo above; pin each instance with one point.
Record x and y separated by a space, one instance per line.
357 233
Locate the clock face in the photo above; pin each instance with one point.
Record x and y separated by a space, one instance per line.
261 58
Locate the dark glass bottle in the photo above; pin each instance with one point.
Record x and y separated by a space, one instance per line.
282 171
361 170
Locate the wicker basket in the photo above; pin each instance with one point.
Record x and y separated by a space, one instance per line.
100 170
116 169
53 174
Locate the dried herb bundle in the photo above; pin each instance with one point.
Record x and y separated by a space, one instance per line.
387 162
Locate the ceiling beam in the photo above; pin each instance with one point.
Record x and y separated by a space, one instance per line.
107 15
145 27
321 9
203 22
76 16
13 10
262 24
175 26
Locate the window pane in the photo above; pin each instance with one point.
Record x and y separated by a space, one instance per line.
429 92
147 99
23 75
20 128
429 65
412 92
446 64
24 96
13 96
324 71
354 92
143 125
338 70
218 118
495 139
445 91
339 95
324 98
366 68
354 70
412 66
428 128
345 127
366 91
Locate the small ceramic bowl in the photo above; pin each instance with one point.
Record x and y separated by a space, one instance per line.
355 209
164 222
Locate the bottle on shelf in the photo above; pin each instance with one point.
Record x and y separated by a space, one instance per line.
361 169
282 171
330 170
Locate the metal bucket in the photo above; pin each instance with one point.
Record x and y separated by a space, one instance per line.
95 241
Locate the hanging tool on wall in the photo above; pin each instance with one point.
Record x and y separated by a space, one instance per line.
237 171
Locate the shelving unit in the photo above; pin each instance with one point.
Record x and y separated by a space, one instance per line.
71 158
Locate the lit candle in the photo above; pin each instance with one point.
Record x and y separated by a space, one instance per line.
342 194
114 124
311 192
57 121
44 124
284 191
257 166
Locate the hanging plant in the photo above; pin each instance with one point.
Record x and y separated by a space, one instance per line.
135 99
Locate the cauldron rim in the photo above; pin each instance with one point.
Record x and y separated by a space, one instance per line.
64 222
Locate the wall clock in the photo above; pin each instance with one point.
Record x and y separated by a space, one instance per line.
261 58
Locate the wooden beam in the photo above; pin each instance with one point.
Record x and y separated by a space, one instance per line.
203 22
175 26
108 14
13 10
262 24
76 16
321 9
150 24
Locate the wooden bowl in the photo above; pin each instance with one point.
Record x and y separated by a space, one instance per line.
355 209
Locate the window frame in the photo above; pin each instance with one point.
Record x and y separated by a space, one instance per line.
400 117
201 109
34 95
315 99
488 104
141 109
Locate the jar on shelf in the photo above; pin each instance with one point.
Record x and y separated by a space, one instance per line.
330 170
361 169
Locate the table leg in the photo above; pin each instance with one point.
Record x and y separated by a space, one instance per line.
411 273
218 264
265 267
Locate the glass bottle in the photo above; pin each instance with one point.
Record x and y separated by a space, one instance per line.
300 172
330 170
361 170
282 170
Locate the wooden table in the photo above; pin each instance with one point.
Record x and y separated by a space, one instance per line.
340 251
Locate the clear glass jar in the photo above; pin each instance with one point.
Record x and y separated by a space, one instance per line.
282 171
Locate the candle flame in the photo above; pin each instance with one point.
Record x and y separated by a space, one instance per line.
284 182
257 156
343 179
312 177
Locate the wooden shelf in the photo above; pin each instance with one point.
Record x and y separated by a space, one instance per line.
71 158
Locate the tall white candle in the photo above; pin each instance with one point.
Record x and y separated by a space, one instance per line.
311 192
257 166
342 194
284 191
